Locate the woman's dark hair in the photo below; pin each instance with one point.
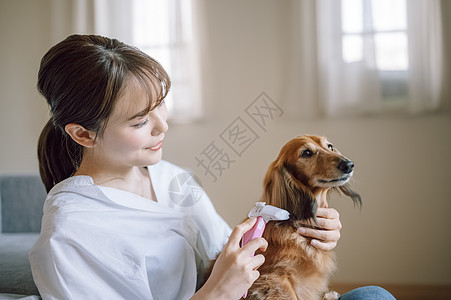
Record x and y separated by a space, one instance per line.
81 78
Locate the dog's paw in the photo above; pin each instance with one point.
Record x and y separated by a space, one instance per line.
332 295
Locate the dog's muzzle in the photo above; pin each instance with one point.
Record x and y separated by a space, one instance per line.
346 166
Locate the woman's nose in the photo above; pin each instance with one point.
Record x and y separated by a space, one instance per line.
159 125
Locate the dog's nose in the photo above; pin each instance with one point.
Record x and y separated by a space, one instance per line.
346 166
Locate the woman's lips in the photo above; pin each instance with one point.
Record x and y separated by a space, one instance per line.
157 146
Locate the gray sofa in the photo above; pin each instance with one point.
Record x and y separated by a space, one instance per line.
21 201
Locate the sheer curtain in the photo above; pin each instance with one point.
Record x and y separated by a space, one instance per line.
425 54
165 29
367 56
345 87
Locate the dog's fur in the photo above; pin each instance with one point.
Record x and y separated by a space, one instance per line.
307 168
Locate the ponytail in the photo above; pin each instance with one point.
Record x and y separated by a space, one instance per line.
59 156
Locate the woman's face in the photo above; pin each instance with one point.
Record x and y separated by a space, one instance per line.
133 138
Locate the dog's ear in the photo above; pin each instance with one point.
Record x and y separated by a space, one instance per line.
346 189
282 189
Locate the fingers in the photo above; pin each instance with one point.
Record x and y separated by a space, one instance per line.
257 261
252 246
324 246
329 224
321 239
253 275
328 213
323 235
328 219
235 269
239 231
326 237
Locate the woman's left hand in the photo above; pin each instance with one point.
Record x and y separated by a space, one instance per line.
326 238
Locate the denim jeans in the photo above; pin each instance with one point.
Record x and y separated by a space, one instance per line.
368 293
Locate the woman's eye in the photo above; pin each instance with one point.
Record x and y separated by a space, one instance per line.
331 147
306 153
141 124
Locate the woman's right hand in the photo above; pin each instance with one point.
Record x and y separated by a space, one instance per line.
235 269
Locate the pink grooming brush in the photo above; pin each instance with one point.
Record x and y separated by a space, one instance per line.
264 214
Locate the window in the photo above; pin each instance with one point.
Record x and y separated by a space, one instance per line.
164 30
376 31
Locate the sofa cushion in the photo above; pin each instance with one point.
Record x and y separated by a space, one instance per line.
15 270
21 200
17 296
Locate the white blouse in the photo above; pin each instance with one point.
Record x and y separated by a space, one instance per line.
104 243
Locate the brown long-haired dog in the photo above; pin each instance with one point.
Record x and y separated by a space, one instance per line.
307 168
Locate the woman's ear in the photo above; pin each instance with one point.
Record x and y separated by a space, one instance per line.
81 135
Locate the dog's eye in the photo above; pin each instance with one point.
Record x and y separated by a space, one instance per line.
331 147
306 153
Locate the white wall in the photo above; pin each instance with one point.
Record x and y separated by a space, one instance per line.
24 28
402 233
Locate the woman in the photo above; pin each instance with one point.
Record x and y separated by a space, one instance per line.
110 230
